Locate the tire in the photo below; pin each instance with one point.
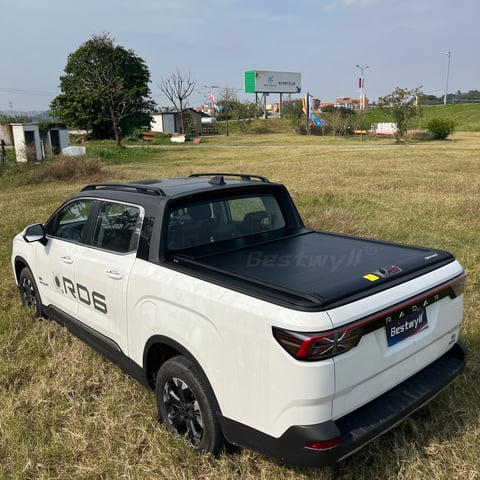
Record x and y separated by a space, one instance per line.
186 405
29 292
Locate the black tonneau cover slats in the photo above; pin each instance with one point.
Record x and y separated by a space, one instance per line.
315 269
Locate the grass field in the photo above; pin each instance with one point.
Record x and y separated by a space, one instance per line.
66 413
465 116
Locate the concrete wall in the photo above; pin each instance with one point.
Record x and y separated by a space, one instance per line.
163 122
26 138
6 134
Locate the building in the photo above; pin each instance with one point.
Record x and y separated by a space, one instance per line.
32 145
27 143
170 122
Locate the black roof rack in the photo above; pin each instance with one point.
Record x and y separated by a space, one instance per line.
217 178
137 187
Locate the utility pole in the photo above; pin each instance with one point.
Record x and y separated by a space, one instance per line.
361 82
448 74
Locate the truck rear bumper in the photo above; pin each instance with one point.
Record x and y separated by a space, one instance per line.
334 440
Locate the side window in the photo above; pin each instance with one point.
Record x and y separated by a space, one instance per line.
70 221
117 227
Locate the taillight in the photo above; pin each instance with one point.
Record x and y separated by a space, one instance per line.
318 346
311 346
458 286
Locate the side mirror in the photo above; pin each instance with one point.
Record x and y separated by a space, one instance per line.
35 233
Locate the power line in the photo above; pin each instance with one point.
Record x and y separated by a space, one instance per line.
27 92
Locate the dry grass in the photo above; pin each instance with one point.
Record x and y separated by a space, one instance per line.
68 413
62 169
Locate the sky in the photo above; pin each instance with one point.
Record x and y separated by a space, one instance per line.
404 43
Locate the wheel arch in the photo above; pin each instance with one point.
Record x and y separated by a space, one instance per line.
159 349
19 264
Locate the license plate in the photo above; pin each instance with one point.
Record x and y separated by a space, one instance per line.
406 327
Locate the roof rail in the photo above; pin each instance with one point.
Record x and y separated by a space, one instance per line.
137 187
241 176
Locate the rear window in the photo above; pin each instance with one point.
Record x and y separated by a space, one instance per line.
200 223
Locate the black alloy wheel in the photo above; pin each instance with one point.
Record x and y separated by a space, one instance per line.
29 292
186 405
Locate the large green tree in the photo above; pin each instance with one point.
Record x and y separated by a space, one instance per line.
105 87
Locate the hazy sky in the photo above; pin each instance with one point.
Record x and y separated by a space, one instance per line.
404 43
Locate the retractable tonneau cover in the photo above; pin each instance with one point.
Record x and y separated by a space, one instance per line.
319 269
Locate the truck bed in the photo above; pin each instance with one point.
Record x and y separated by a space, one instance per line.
310 269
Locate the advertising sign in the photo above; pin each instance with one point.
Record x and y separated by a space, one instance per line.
260 81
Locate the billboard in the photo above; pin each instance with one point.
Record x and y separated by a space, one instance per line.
260 81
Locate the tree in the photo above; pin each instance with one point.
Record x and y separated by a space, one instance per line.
339 119
293 112
177 89
4 118
246 113
402 105
227 103
103 84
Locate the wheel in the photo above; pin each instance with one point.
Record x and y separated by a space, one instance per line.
186 405
29 292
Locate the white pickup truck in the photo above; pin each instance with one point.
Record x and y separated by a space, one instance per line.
251 328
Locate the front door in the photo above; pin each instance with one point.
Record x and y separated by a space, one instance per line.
66 234
103 270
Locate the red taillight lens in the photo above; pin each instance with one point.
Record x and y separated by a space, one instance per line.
322 444
318 346
458 287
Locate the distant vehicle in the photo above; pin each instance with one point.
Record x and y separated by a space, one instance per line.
207 120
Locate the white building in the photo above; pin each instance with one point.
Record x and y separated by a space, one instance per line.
30 145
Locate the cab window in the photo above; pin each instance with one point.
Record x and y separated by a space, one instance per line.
70 221
194 224
117 227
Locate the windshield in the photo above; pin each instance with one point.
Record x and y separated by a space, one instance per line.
217 220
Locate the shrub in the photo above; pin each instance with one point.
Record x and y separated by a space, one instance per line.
441 128
162 138
61 169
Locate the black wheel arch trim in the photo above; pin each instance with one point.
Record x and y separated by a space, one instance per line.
19 264
175 346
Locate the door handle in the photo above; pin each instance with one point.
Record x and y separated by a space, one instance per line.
114 274
67 259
